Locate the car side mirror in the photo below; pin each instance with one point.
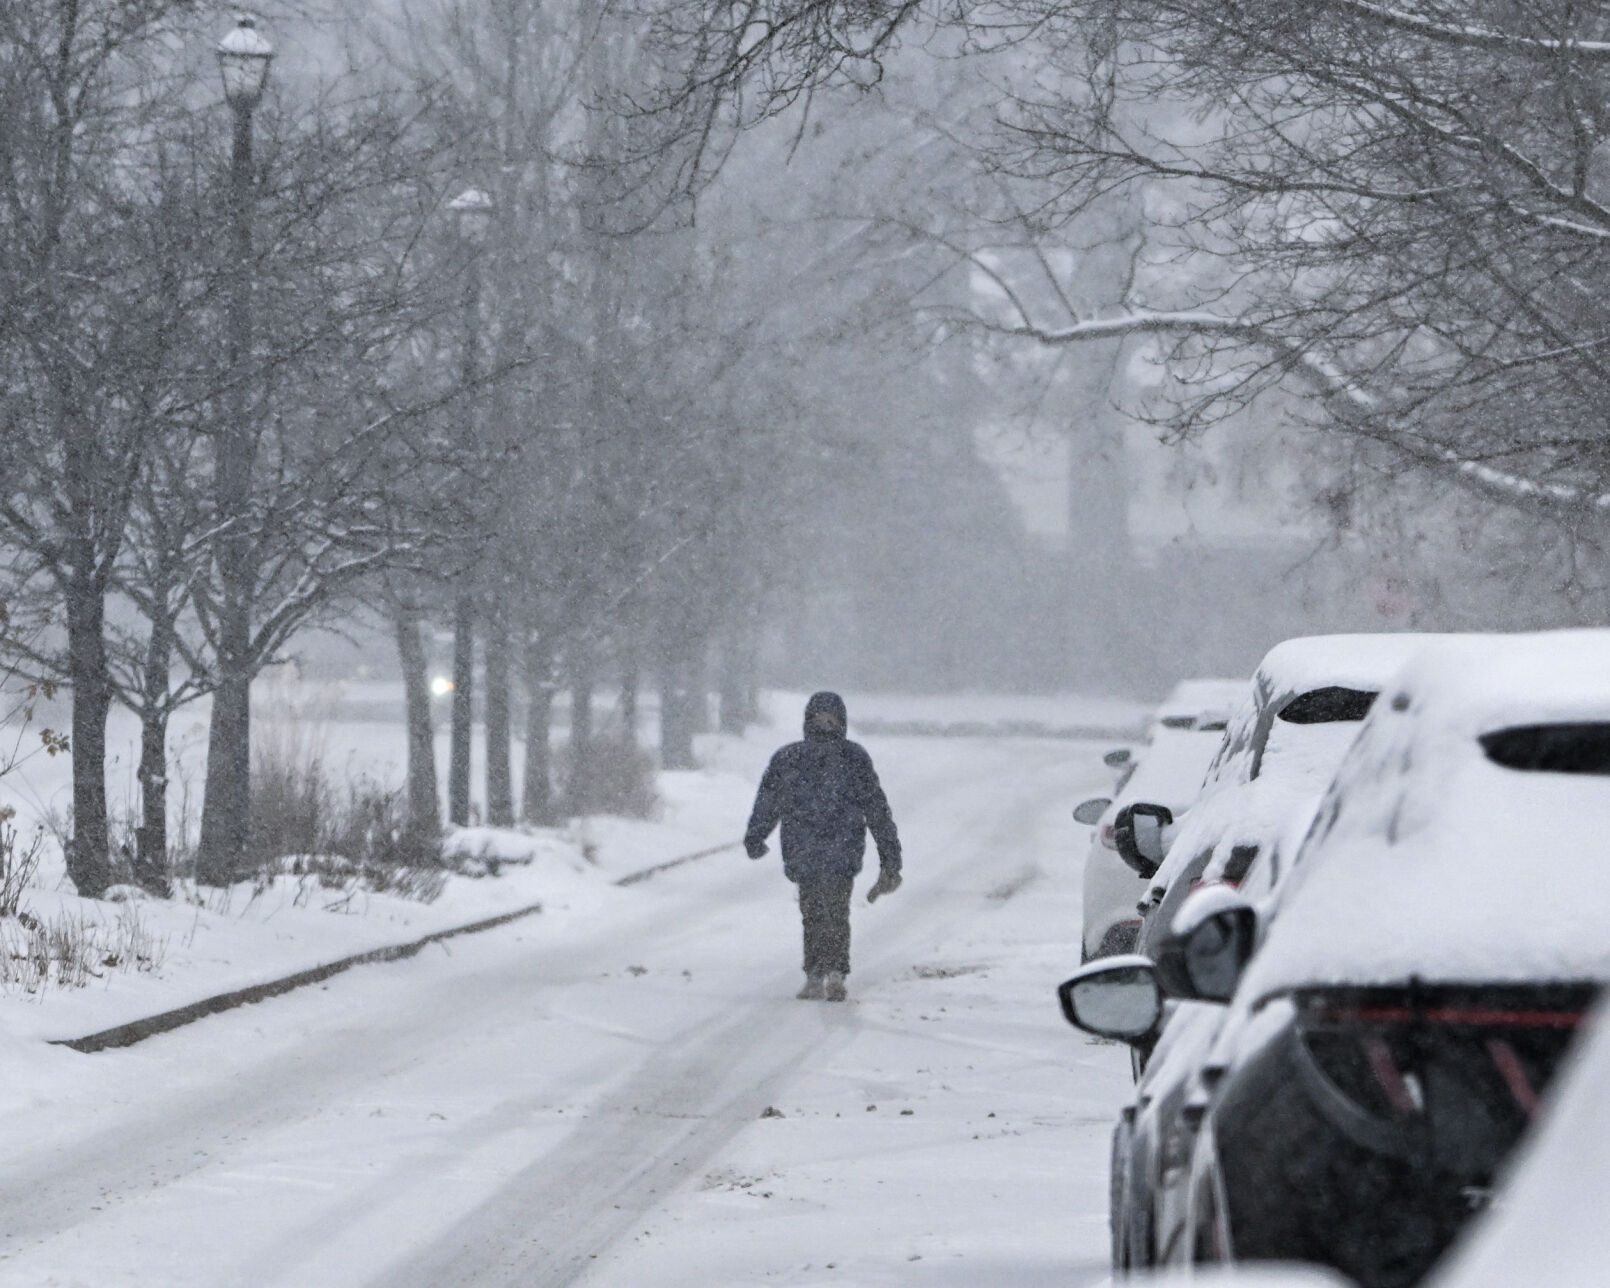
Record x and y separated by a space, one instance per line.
1116 997
1137 831
1090 811
1117 758
1203 955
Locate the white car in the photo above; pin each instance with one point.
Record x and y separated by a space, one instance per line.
1185 735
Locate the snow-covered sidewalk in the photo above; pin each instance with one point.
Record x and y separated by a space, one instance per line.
246 936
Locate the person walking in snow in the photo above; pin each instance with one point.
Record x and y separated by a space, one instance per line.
826 794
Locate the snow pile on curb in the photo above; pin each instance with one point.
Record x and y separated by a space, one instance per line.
208 941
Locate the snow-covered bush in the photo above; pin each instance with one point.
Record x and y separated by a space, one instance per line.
19 859
71 948
304 826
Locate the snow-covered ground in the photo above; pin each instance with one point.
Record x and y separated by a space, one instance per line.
583 1096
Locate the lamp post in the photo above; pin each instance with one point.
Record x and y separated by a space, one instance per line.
472 213
243 60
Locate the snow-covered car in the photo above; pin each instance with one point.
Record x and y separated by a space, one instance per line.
1302 713
1422 971
1184 736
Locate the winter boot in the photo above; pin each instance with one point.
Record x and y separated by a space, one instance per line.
813 992
833 987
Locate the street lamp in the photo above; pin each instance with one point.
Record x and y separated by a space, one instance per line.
243 60
472 215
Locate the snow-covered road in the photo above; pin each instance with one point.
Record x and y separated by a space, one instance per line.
597 1100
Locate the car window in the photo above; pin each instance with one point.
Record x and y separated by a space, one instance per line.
1551 748
1328 705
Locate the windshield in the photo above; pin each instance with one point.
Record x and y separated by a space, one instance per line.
1330 708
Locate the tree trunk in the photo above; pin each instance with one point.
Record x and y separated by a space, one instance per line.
631 682
536 805
151 841
458 760
226 807
733 694
676 716
424 807
499 778
151 872
580 796
88 862
698 688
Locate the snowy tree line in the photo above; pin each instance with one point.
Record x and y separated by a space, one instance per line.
570 435
586 438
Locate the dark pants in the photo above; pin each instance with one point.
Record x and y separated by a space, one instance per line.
824 908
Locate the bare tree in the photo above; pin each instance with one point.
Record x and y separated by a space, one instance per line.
1402 206
93 289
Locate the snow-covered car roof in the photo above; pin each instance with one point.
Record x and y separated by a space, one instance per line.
1429 859
1201 697
1297 666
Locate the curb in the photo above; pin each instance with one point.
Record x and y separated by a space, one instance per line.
123 1035
646 873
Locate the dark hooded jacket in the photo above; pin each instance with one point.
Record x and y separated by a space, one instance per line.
825 793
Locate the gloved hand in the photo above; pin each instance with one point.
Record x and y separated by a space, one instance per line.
887 883
757 849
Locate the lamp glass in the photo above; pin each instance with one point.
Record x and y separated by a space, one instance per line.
472 208
243 59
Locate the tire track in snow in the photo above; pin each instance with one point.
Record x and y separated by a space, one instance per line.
556 1219
181 1132
571 1204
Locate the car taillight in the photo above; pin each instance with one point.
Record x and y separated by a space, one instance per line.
1393 1053
1363 1068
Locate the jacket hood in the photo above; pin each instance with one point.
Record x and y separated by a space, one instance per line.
825 716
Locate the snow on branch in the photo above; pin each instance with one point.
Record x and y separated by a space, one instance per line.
1326 377
1469 36
1348 399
